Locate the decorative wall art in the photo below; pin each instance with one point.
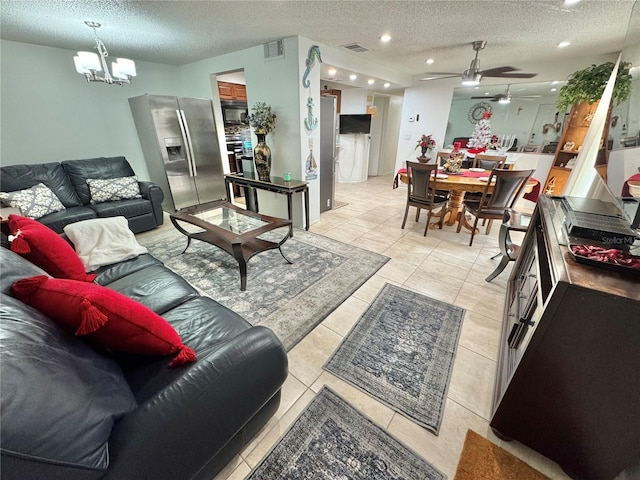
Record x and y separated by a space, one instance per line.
311 122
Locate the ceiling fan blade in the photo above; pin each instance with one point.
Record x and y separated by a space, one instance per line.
510 75
491 71
426 79
486 98
443 73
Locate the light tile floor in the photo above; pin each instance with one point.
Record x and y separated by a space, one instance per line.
440 265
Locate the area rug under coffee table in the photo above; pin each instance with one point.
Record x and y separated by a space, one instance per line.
332 440
401 351
289 299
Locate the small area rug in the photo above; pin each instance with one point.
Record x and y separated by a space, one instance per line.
401 351
289 299
332 440
484 460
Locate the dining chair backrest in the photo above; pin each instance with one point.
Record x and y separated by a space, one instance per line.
530 148
489 162
509 185
421 180
442 157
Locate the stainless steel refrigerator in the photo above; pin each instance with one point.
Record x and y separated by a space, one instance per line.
180 145
328 129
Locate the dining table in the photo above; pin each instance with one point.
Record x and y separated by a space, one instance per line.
459 184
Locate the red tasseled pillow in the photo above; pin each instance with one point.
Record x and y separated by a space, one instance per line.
103 316
46 249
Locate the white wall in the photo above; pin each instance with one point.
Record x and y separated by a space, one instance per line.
50 113
430 101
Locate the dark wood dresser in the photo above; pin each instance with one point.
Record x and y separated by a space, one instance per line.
568 373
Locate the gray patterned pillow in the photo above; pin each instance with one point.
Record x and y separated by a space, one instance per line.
112 189
33 202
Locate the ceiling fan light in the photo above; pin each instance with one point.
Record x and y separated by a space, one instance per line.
505 100
470 78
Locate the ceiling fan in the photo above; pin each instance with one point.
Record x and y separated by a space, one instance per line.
506 96
474 73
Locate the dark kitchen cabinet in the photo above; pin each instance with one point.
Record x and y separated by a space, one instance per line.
568 372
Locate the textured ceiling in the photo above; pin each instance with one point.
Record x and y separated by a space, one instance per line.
519 33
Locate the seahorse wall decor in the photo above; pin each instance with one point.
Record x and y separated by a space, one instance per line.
314 52
310 122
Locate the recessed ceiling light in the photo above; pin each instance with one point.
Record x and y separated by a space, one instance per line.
563 44
332 72
387 85
429 61
385 38
554 89
353 76
371 81
555 82
571 2
476 87
487 93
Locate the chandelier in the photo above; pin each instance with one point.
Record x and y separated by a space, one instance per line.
89 63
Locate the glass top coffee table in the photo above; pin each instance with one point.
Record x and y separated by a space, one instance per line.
232 229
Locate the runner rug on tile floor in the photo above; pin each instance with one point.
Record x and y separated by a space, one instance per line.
332 440
484 460
289 299
401 351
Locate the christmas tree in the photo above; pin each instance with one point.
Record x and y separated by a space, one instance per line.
481 136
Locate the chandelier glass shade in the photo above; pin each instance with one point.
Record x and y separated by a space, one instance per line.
91 64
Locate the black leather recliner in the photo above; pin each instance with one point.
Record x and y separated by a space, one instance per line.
68 180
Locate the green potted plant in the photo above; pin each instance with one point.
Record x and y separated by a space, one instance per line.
263 120
588 85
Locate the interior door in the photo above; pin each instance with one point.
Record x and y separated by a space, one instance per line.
207 156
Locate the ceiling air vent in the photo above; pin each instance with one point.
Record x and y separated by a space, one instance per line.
274 50
356 47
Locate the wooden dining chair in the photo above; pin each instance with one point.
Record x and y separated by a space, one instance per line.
530 148
441 158
421 192
509 185
489 162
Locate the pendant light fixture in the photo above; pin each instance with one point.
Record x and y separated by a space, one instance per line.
90 64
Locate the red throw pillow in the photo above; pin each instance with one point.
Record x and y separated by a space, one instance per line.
46 249
104 316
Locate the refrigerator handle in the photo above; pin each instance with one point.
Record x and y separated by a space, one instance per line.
186 142
189 144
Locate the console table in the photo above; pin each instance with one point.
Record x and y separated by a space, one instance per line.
275 184
568 371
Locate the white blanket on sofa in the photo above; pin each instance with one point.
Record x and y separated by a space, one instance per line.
103 241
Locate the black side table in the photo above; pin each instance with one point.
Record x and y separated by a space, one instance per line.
511 221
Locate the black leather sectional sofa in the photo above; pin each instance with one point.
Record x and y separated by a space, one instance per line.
68 180
180 423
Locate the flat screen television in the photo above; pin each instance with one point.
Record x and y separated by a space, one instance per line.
355 123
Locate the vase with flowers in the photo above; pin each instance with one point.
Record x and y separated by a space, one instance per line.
263 120
426 144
